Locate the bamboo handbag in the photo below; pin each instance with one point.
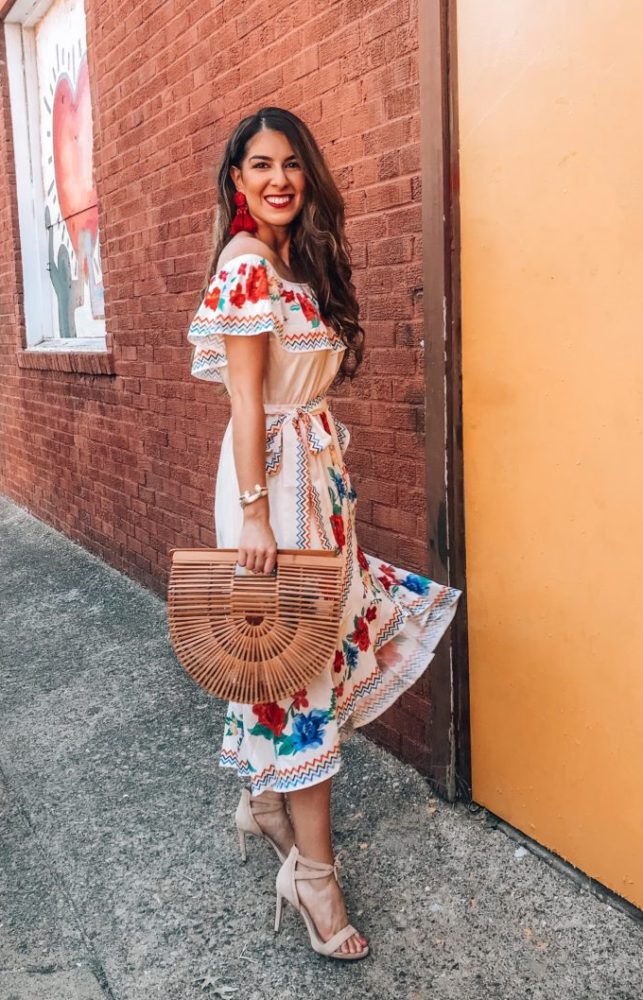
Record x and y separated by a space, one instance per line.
250 637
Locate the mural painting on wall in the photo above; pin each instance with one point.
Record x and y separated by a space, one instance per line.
71 204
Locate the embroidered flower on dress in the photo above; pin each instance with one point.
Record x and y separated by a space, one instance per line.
271 716
351 653
257 284
360 635
307 308
371 613
212 298
338 662
308 730
361 558
237 296
300 699
337 525
418 584
339 482
388 578
233 725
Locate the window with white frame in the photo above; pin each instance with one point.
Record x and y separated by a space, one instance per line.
57 205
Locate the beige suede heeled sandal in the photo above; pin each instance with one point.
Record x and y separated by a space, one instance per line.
294 868
248 808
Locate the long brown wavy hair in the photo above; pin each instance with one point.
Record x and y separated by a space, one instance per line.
319 248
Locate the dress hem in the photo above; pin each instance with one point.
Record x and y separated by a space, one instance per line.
366 702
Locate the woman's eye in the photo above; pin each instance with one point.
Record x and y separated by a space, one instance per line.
292 163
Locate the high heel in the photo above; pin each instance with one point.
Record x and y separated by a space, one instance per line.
246 823
294 868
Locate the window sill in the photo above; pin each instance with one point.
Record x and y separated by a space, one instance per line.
67 356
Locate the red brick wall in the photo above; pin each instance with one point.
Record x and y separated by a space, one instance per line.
125 464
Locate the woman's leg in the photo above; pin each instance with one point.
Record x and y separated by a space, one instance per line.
310 813
275 823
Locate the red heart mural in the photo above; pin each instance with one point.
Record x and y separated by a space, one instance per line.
73 159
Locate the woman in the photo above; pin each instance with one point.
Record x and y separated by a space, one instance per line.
278 325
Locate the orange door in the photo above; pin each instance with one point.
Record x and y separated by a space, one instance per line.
551 161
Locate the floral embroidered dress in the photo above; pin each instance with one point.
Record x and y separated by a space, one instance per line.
391 619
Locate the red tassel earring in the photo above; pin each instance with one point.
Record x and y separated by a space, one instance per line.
242 220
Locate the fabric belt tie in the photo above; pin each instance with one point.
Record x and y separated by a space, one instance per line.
312 439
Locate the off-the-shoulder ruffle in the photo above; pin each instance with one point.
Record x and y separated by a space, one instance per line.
247 297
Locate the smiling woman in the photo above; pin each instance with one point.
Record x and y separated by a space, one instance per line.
274 184
278 325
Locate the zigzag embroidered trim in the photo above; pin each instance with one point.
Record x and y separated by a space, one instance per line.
286 779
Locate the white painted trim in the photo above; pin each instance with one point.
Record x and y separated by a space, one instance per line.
27 12
69 345
33 246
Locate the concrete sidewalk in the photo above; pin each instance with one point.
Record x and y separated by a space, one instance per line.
119 865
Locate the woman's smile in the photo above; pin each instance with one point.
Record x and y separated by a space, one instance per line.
279 200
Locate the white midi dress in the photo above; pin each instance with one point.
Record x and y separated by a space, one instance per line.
391 619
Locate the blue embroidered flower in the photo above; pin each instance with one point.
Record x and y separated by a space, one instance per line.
308 730
418 584
340 485
351 653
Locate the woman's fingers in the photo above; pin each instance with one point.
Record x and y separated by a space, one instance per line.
258 560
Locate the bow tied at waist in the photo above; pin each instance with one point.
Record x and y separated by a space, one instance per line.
310 426
312 430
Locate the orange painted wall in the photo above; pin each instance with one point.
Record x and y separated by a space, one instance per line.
551 156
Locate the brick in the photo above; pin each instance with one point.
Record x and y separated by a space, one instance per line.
379 197
387 18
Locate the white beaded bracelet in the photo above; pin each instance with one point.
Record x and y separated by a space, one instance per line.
248 497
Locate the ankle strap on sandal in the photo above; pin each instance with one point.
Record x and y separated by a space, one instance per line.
260 805
316 869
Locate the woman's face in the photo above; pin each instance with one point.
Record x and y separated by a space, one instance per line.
272 179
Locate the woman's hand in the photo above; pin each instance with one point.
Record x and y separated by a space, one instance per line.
257 544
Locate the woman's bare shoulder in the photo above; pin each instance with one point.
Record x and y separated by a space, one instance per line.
244 243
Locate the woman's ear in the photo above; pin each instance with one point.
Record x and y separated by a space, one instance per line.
235 174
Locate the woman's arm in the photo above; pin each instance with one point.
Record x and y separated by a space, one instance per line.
247 358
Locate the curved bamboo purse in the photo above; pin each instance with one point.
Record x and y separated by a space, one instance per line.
249 637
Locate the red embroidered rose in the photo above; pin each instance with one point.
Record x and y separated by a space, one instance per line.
243 268
212 298
360 635
338 530
338 664
237 296
323 416
339 690
288 295
300 699
257 284
371 613
307 307
361 558
385 581
272 716
388 570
